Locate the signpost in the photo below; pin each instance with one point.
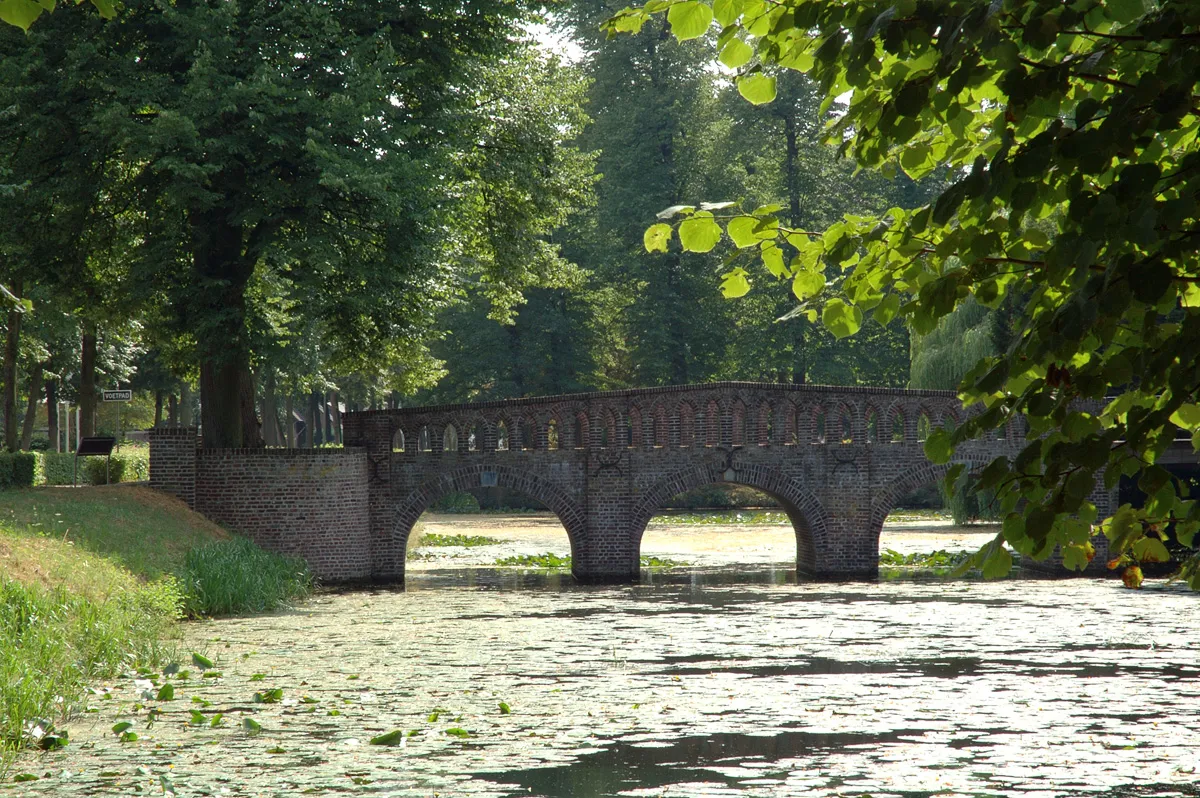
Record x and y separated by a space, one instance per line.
119 395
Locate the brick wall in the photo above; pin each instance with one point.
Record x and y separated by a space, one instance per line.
306 502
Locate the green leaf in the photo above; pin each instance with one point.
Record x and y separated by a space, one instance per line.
807 284
166 692
699 233
201 661
734 284
272 696
394 737
887 308
251 726
772 257
841 319
106 8
938 446
757 88
1125 11
1187 416
741 231
998 564
20 13
457 732
689 20
656 237
123 726
1151 550
735 54
504 708
726 11
216 719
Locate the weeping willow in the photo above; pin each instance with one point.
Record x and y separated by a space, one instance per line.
961 339
939 360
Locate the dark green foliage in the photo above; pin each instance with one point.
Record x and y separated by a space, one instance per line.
17 469
460 502
236 577
58 468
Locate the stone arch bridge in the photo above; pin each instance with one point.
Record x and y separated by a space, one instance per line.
835 459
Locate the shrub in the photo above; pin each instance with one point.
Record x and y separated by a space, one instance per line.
234 577
456 503
17 469
57 468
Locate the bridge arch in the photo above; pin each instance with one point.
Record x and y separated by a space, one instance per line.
808 517
568 511
920 475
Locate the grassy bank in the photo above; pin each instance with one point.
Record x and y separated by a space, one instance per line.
91 584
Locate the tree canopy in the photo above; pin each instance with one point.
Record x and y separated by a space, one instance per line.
1068 129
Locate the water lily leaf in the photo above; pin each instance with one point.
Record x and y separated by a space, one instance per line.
251 726
457 732
504 708
201 661
216 720
394 737
166 692
122 726
272 696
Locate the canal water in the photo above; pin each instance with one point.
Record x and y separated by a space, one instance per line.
725 677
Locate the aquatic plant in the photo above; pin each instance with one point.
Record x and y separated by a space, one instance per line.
236 577
467 541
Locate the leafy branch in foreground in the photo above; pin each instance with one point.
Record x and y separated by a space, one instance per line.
1069 130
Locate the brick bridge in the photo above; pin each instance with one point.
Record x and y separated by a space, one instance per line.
836 459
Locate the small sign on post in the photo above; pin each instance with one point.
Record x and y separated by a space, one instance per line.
125 395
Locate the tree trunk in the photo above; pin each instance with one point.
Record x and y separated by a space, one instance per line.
185 406
270 409
52 412
11 346
35 380
222 265
310 422
336 411
158 403
172 411
290 430
87 381
327 415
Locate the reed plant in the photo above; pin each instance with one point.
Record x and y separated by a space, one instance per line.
236 577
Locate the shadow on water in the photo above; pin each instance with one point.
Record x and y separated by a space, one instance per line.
686 760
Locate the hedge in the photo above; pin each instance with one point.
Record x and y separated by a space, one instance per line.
57 468
17 469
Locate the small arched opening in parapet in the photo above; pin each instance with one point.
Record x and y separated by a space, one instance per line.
581 431
820 423
896 425
502 441
872 425
687 425
431 516
738 431
552 440
398 440
450 439
475 437
608 430
766 426
526 434
423 443
914 522
924 426
845 425
781 523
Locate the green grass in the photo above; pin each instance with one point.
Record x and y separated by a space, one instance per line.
555 561
92 581
468 541
236 577
68 617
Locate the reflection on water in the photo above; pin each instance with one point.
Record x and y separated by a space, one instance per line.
701 681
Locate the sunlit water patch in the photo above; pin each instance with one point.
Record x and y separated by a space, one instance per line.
697 682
